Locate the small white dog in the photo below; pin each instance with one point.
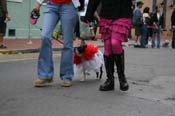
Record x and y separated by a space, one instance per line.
87 58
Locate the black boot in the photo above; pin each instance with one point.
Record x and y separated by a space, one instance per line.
119 60
109 65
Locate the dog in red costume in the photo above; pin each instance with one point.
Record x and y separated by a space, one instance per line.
87 58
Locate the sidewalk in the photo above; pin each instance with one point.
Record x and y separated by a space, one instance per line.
33 45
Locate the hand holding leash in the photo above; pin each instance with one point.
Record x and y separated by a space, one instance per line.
35 14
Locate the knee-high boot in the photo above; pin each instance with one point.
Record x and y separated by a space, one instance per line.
109 65
120 63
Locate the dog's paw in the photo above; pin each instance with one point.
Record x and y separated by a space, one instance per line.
82 80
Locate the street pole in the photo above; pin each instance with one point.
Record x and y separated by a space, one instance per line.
29 28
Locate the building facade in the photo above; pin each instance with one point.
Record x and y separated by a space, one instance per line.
20 28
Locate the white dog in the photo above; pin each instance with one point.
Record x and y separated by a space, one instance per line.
87 58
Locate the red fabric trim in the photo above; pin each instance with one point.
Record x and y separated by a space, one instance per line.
77 59
60 1
88 54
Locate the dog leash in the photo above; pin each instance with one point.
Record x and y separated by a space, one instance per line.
52 36
33 20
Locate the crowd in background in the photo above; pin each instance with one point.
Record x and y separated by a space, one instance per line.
149 25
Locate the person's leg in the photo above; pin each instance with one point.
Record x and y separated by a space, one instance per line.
158 39
109 67
2 32
120 63
45 61
68 17
1 40
129 35
143 37
107 47
136 35
153 40
118 52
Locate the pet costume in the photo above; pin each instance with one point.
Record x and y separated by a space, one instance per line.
91 58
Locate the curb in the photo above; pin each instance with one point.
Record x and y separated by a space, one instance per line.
37 50
24 51
30 50
8 51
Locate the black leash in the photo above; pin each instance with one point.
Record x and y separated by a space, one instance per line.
52 36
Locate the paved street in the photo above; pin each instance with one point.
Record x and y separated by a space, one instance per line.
150 73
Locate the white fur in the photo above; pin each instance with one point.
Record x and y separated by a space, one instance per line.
86 66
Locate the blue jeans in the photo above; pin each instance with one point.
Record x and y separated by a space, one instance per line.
157 32
67 14
143 40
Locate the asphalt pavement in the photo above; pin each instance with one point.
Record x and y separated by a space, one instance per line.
150 73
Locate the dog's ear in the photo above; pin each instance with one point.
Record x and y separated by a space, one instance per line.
85 46
81 48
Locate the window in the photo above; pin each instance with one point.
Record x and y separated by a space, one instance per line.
11 32
45 2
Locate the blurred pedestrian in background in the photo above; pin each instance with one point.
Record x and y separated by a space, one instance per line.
158 26
137 22
4 18
146 20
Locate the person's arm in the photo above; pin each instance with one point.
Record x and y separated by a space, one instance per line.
5 11
92 7
155 20
4 6
96 16
36 8
38 4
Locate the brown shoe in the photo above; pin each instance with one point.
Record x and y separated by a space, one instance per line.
42 82
66 83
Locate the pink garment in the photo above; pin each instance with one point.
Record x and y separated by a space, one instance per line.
114 32
112 46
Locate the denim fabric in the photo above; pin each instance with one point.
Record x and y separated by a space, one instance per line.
156 33
67 14
143 40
